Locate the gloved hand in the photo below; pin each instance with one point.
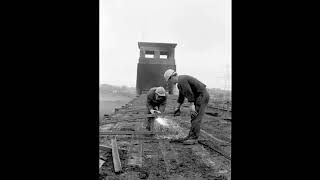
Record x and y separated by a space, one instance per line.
177 111
193 107
158 112
154 111
193 112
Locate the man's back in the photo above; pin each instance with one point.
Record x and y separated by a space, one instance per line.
151 99
190 87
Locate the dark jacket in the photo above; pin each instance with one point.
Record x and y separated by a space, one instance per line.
152 102
189 87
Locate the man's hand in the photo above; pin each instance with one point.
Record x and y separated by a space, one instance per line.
193 108
154 111
177 111
193 112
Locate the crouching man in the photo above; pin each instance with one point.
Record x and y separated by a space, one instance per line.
156 103
198 97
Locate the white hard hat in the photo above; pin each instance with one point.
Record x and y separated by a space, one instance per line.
168 74
160 91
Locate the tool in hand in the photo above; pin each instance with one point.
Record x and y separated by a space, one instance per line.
193 114
177 112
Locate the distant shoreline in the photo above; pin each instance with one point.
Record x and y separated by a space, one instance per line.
108 106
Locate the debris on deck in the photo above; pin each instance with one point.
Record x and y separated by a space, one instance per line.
150 155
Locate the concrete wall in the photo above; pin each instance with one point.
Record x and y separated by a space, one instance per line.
150 70
151 75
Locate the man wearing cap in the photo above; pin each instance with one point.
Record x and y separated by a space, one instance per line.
156 103
198 97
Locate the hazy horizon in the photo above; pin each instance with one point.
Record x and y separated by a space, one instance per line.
201 29
135 87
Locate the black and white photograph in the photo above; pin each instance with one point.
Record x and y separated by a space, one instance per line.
165 100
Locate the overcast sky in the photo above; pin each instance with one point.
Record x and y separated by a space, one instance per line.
201 29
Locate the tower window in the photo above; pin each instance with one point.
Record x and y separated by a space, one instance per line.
149 54
164 55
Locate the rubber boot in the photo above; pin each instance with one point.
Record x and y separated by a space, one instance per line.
150 126
190 141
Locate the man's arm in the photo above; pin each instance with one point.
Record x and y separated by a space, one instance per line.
149 100
186 90
181 96
162 106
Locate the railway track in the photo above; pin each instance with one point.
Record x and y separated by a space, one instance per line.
150 156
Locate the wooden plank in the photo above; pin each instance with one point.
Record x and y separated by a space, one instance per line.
227 119
130 160
104 146
131 119
164 154
134 110
135 156
213 114
212 137
175 154
122 120
115 156
101 162
219 108
109 148
106 133
216 149
141 116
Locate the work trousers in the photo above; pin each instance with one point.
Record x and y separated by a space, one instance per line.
200 105
150 121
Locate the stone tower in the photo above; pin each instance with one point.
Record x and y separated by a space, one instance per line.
154 60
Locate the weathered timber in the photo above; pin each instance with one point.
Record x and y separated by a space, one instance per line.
128 119
134 110
131 119
212 114
130 133
215 147
219 108
120 120
101 162
115 156
212 137
105 147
